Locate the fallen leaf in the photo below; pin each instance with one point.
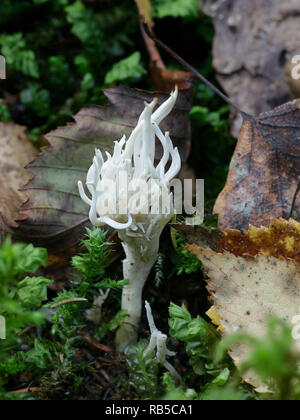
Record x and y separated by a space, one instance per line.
259 277
264 171
247 291
56 215
281 240
200 235
16 152
254 43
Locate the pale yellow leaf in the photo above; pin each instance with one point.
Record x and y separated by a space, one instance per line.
247 290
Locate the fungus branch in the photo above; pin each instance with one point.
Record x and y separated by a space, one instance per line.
95 313
158 341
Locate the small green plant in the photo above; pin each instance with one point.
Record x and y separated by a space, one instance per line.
58 66
125 70
21 298
5 114
272 359
159 270
188 9
18 56
91 265
185 262
143 373
175 392
200 339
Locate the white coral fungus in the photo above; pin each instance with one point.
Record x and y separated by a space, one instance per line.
131 194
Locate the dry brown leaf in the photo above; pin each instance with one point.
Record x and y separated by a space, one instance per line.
16 152
200 235
246 291
264 171
254 43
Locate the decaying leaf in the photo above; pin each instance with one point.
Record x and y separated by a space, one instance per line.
259 277
200 235
253 46
264 171
246 291
56 215
281 240
16 152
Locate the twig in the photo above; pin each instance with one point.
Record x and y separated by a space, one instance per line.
26 390
66 301
95 343
113 362
191 69
294 200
